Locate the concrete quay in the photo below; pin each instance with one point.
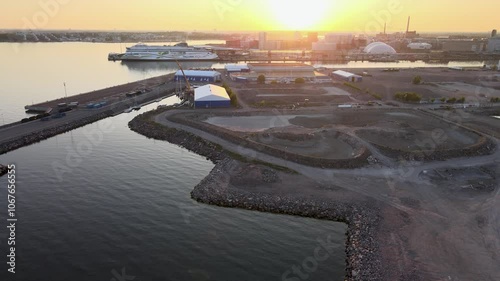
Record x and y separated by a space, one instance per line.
17 135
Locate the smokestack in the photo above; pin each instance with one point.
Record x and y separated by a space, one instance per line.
408 26
494 33
385 28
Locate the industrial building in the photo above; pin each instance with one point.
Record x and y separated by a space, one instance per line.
211 96
334 41
419 46
199 76
347 76
231 68
463 46
379 48
279 72
285 40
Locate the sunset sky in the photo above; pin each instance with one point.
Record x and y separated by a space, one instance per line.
251 15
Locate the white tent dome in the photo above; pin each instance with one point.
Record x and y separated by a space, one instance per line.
211 93
378 48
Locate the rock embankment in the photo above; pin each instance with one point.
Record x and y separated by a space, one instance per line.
143 125
362 248
3 170
39 136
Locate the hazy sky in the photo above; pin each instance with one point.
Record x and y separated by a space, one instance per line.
250 15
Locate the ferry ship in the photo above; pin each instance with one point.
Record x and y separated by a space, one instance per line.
178 52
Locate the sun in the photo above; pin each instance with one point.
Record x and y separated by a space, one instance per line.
300 15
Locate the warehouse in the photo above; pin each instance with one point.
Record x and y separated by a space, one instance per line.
211 96
279 72
347 76
237 68
199 76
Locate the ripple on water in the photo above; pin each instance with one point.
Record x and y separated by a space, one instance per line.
127 204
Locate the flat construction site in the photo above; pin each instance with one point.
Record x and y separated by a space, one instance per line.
417 184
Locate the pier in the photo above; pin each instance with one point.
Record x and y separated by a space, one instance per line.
112 101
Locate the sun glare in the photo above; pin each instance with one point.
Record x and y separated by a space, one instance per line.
300 15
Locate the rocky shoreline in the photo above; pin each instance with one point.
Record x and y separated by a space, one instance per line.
363 219
3 170
48 133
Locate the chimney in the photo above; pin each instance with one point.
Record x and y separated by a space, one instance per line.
408 25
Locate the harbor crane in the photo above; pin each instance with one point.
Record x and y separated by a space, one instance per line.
189 91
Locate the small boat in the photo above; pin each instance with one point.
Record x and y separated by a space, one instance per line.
128 110
137 107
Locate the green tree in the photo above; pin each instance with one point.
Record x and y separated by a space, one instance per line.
300 81
461 100
417 80
452 100
261 79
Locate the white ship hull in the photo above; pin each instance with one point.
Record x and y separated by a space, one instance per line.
179 52
160 57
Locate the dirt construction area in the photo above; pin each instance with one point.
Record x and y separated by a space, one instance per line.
424 220
340 134
417 185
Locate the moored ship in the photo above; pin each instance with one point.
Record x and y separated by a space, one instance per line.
178 52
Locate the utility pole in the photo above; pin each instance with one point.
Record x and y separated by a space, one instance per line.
65 92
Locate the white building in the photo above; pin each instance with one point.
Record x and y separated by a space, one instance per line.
379 48
347 76
419 46
237 68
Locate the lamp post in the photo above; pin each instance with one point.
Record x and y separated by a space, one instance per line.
65 92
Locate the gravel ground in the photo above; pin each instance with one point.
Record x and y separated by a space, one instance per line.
361 216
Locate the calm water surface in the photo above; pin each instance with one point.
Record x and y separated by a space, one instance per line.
125 206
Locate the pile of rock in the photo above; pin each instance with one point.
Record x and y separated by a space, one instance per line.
143 125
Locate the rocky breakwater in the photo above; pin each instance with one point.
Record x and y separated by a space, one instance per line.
35 137
144 125
362 249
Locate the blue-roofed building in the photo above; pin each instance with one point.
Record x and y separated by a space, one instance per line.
201 76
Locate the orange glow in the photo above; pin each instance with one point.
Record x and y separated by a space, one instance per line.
301 15
255 15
